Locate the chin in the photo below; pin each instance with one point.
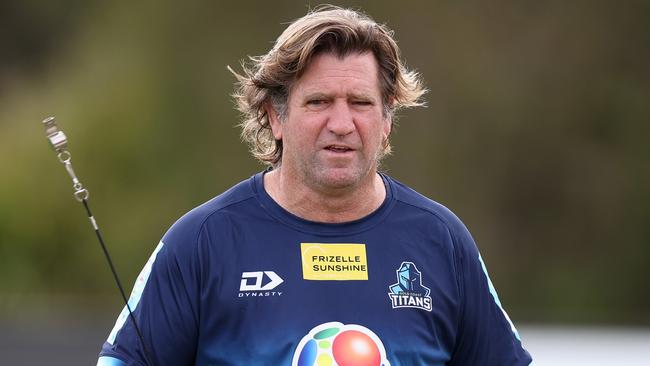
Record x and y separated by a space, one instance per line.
339 178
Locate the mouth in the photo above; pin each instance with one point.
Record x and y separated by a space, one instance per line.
338 148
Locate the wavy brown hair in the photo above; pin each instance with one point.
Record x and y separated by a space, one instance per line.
267 80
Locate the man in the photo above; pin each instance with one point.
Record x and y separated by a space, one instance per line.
319 260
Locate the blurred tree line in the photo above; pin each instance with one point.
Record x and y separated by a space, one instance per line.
536 135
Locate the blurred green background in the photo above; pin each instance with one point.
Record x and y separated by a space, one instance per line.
536 134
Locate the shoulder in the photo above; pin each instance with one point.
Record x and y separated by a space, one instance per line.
432 211
190 225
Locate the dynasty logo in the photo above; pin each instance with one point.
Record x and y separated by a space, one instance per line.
409 292
253 284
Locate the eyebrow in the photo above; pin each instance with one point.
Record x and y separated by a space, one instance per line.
353 95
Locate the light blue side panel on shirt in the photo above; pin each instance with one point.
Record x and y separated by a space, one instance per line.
493 291
135 294
109 361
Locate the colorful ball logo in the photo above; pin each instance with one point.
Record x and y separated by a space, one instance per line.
336 344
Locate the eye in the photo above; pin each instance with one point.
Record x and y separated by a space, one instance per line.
362 103
317 104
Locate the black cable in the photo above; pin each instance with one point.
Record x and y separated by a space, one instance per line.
117 281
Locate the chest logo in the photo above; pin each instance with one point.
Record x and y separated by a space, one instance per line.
338 344
409 292
334 262
253 285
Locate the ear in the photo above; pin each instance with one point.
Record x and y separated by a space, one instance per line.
387 127
274 121
388 120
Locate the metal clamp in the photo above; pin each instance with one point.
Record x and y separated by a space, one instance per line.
59 143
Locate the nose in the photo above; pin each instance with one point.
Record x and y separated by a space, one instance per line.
341 120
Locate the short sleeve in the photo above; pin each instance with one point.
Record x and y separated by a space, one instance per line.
165 304
486 336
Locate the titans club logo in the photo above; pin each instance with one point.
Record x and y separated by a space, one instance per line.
409 292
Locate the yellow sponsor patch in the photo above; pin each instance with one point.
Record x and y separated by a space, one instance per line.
334 262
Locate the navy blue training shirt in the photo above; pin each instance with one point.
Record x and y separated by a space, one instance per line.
241 281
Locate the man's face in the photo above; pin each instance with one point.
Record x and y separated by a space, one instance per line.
334 129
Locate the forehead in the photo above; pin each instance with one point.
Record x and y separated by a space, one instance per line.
331 74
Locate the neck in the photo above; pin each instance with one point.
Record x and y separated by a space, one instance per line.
333 205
